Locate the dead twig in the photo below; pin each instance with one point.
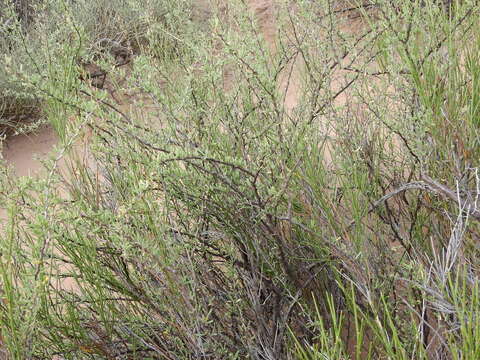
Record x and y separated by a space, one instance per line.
428 184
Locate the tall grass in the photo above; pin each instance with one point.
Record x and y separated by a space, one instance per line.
227 225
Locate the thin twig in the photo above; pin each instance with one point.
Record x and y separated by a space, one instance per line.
431 185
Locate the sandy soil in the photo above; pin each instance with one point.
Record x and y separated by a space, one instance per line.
25 152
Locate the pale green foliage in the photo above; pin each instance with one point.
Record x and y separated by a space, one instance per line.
222 225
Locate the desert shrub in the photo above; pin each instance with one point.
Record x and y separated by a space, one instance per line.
228 225
18 105
44 42
18 10
147 26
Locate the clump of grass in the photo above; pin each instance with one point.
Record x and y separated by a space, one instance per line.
229 226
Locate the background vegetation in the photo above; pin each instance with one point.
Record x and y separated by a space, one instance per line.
224 224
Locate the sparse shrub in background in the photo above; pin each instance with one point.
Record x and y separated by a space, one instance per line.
18 105
227 226
43 42
18 10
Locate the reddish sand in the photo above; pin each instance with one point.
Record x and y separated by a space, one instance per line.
25 152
